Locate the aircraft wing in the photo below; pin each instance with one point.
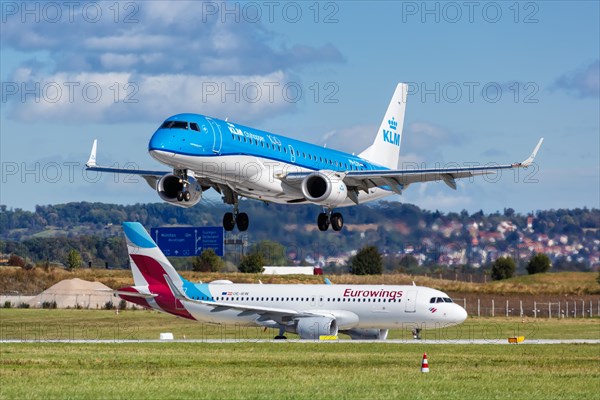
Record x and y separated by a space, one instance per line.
151 177
398 180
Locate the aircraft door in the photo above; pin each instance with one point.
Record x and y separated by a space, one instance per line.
292 153
313 301
218 138
410 301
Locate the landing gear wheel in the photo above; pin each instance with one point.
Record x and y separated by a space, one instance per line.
242 221
228 221
280 337
337 221
323 222
179 196
187 196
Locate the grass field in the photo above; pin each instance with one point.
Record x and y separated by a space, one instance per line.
292 370
40 324
297 371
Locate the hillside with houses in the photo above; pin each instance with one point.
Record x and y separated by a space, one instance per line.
410 238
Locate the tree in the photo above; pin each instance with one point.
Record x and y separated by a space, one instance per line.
207 261
408 264
73 259
539 263
252 263
367 262
503 268
273 253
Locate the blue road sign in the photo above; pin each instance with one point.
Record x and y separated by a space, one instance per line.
188 241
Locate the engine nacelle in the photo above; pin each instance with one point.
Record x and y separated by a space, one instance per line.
169 185
314 327
325 188
367 334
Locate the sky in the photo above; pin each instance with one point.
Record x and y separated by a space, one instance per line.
486 81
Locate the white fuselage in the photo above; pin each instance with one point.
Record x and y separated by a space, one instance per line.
251 176
353 306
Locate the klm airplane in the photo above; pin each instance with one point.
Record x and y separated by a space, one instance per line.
238 161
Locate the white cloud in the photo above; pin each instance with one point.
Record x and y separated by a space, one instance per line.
102 97
163 62
584 82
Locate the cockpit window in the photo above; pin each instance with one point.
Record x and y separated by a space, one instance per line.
175 125
194 126
440 300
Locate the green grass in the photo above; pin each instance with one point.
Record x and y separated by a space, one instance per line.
39 324
291 370
297 371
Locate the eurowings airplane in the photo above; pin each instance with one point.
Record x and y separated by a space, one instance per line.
238 161
311 311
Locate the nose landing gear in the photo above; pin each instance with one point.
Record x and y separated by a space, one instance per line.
184 194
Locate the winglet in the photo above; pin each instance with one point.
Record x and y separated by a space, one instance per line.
92 160
529 161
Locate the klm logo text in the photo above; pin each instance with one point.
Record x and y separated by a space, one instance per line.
391 137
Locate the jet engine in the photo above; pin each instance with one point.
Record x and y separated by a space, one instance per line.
324 187
314 327
170 185
367 334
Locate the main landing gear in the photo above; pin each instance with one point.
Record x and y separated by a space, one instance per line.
281 335
330 218
231 219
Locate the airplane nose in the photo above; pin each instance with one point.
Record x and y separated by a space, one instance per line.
461 314
158 141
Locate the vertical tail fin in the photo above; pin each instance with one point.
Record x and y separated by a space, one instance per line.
148 263
385 149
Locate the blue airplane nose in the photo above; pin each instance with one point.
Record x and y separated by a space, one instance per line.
160 140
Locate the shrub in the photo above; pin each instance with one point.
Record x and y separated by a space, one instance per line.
252 263
7 304
503 268
16 261
367 262
539 263
49 304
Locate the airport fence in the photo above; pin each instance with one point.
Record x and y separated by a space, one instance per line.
526 306
530 307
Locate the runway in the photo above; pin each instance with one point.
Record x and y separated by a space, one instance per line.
392 341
